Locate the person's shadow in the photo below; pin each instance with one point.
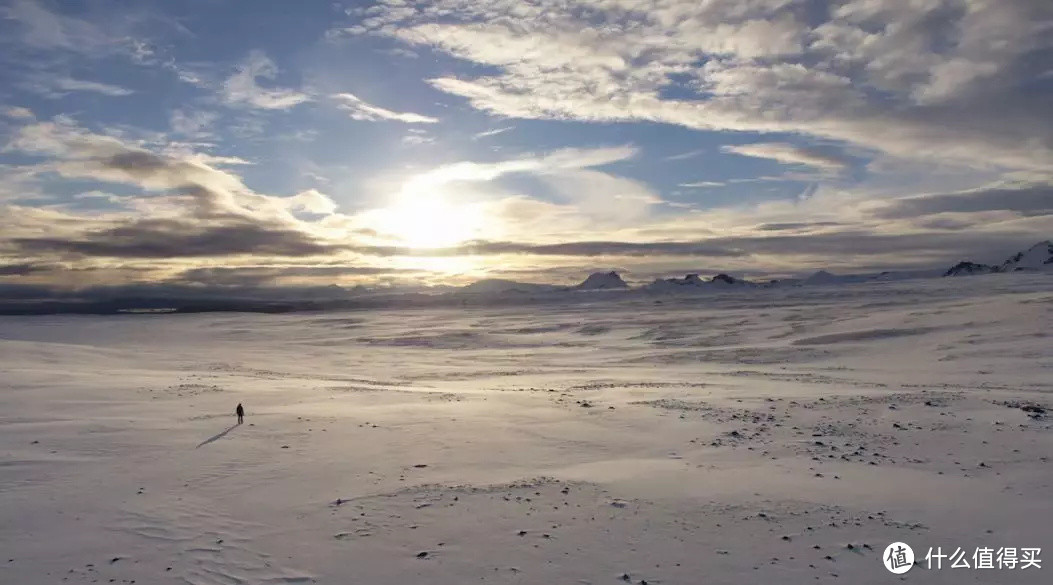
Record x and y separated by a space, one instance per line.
218 437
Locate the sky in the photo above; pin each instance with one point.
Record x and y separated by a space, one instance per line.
278 143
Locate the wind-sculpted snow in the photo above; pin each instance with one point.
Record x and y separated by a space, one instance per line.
753 436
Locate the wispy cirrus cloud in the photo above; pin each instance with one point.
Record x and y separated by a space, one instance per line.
43 29
700 184
494 132
685 155
242 88
359 109
784 153
59 86
50 28
197 124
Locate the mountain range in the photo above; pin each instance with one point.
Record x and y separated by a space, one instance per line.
150 298
1036 258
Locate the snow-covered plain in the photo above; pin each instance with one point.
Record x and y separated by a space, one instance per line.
751 436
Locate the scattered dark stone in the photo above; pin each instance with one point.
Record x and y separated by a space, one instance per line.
626 577
114 560
422 554
420 466
522 533
586 404
787 538
285 446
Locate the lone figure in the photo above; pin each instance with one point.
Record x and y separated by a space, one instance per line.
240 411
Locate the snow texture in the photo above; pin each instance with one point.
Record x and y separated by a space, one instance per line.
770 435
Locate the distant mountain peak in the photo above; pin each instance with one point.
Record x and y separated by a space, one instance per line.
966 268
1037 257
693 282
603 281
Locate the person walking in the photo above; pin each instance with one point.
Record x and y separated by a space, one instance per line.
240 411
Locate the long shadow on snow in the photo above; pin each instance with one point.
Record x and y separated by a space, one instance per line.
218 436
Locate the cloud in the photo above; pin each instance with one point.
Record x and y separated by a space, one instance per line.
18 113
699 184
939 80
1023 199
311 201
193 124
417 139
494 132
595 248
242 87
196 210
41 30
793 155
70 84
360 110
169 238
44 29
55 87
797 226
241 276
23 269
560 160
685 155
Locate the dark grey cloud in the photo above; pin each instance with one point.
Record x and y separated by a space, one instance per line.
262 275
170 238
858 248
1027 200
790 226
23 268
154 239
597 248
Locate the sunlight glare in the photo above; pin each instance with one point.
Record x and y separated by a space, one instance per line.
427 218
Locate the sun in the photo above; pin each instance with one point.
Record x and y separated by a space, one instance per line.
430 219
